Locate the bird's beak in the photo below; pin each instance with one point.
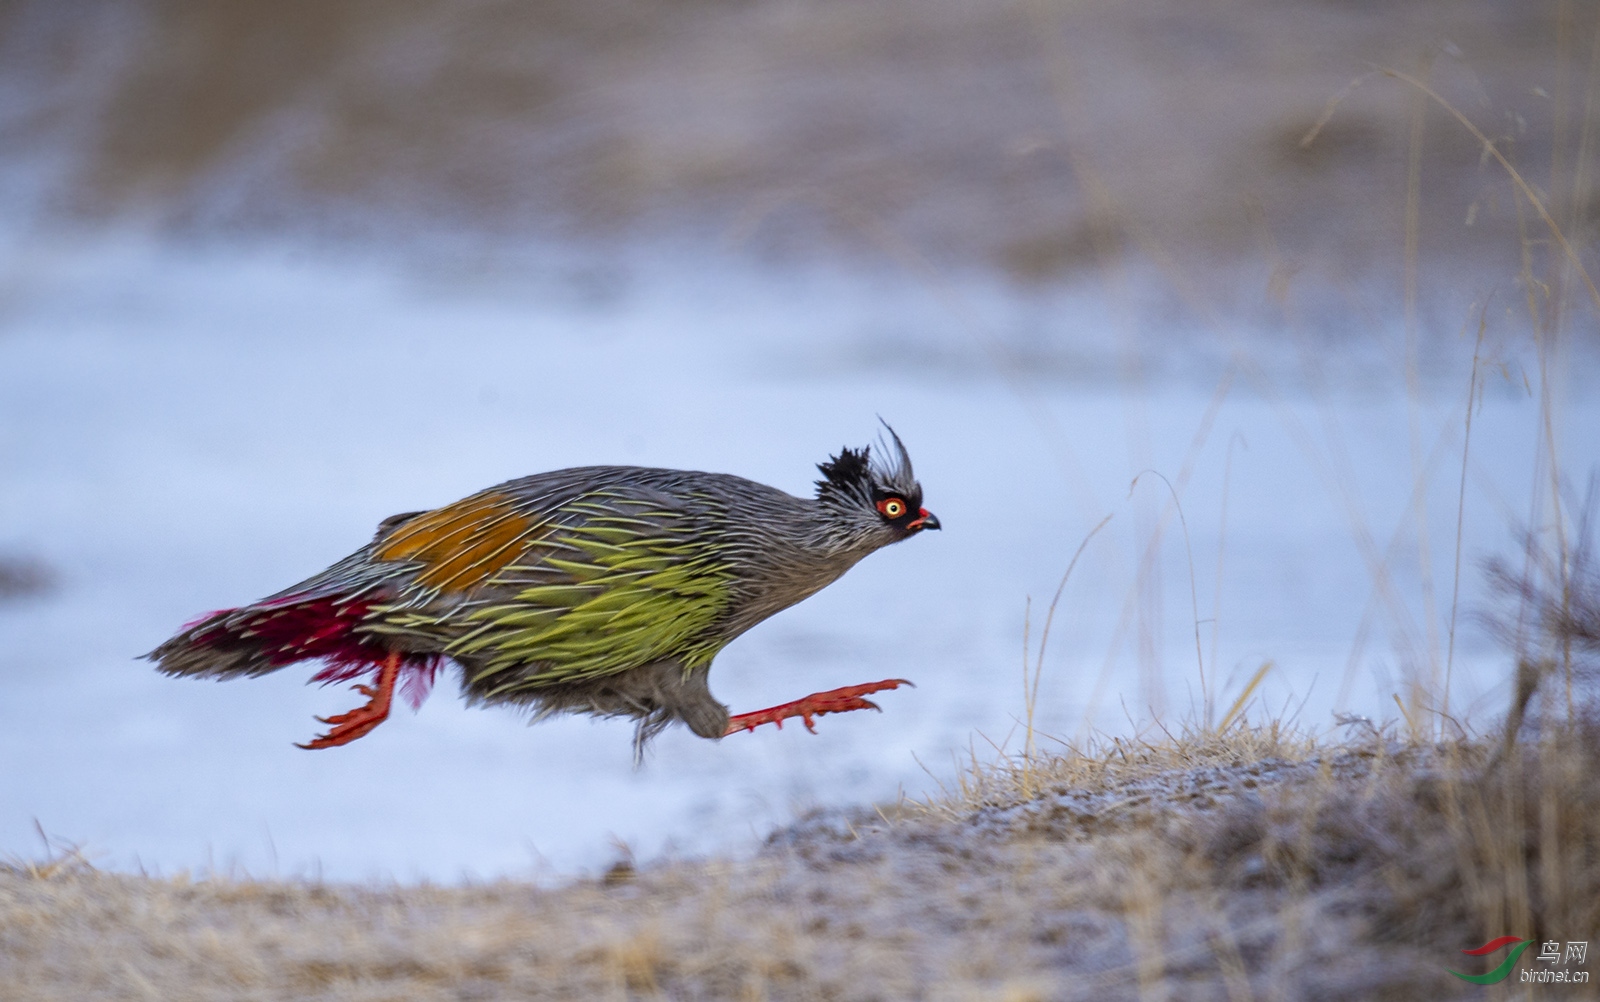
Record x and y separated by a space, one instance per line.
925 520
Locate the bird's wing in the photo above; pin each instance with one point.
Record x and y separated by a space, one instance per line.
533 584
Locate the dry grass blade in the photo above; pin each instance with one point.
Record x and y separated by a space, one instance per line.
1031 688
1526 190
60 858
1194 592
1244 696
1461 505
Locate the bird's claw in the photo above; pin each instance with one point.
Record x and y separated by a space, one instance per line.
349 728
346 727
339 718
815 705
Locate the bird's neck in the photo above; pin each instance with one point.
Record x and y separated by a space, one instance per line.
799 565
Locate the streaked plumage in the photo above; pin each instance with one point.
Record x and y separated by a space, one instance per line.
605 589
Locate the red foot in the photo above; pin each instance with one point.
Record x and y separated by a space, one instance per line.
814 705
361 720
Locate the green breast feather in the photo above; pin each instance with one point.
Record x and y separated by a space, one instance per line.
611 583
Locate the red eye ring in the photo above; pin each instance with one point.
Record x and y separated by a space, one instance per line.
892 508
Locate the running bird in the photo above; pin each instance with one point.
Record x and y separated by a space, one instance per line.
604 589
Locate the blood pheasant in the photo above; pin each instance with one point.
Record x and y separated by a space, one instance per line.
604 590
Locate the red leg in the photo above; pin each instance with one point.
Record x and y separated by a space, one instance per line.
814 705
361 720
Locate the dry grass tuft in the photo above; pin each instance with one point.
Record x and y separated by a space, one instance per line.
1116 763
60 857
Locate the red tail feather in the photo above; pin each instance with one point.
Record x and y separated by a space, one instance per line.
320 629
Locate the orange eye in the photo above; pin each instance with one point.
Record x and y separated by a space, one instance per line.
892 508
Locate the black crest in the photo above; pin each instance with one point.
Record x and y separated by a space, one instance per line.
856 476
847 475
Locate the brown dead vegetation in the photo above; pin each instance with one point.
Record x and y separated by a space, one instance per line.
1033 136
1250 864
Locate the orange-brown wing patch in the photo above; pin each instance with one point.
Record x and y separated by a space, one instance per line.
462 544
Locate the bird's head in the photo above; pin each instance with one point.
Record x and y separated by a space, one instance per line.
875 494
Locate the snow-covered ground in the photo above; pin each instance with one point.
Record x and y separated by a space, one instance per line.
188 428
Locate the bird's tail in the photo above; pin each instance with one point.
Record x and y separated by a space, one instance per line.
327 618
267 635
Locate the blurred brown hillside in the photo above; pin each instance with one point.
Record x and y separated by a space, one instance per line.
1038 136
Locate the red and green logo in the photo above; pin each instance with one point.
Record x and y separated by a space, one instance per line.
1500 973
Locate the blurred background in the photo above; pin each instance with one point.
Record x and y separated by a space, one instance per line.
1295 292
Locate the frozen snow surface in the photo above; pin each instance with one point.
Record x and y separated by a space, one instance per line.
189 427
